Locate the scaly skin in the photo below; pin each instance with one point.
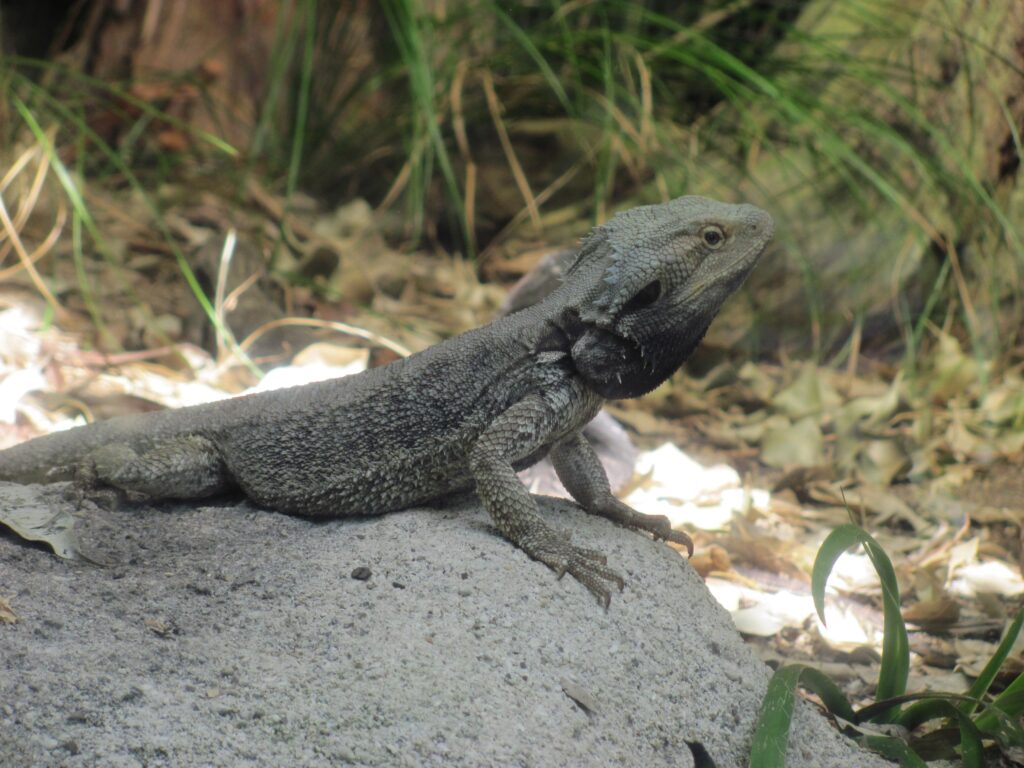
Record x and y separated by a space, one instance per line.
636 300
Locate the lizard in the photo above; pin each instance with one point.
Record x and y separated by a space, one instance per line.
464 414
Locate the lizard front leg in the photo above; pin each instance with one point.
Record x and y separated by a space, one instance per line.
580 471
518 431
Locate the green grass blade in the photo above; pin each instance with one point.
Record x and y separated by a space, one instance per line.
1002 726
928 707
526 43
144 107
771 736
408 37
302 107
944 708
79 206
895 667
988 674
79 214
1008 704
282 50
894 749
835 545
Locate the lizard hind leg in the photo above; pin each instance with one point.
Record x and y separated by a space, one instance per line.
187 467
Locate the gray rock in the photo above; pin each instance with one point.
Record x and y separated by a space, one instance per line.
229 635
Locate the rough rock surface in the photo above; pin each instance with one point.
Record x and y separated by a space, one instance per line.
227 635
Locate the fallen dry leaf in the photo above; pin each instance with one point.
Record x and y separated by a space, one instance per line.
161 627
713 559
31 514
797 444
933 615
7 614
809 395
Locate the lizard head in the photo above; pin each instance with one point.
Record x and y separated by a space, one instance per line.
653 278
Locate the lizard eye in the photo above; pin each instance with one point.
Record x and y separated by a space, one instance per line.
646 296
713 236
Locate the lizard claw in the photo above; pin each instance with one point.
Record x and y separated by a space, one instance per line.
680 538
660 527
588 566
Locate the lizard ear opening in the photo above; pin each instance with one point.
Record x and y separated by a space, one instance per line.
645 297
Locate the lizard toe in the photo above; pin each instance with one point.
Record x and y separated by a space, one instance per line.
591 554
595 577
587 566
678 537
660 527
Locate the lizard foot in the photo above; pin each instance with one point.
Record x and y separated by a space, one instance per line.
86 485
587 566
105 498
658 526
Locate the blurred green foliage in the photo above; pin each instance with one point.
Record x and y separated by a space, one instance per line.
883 135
